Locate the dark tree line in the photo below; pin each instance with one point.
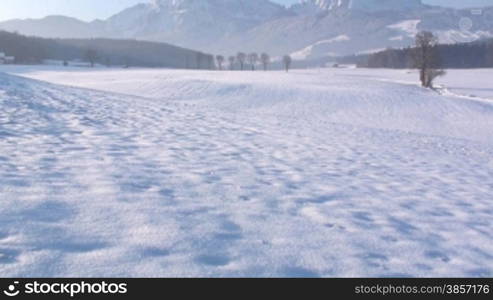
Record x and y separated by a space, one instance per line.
25 49
33 50
91 56
429 57
109 52
203 61
455 56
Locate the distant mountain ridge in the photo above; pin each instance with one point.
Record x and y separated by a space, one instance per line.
308 30
54 26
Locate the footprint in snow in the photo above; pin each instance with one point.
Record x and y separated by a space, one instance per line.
155 252
433 254
213 260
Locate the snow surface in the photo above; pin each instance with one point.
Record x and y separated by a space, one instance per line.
192 173
318 48
409 27
363 5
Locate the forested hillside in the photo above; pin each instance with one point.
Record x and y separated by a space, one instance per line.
456 56
31 50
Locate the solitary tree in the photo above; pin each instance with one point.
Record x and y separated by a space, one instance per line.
220 61
241 57
253 59
287 62
426 59
91 56
231 60
265 60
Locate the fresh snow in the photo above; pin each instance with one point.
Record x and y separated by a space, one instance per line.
317 49
462 36
341 172
409 27
464 83
380 5
362 5
371 51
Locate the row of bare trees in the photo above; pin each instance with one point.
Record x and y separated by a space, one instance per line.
207 61
242 58
253 59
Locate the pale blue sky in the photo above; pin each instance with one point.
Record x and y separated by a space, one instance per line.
91 9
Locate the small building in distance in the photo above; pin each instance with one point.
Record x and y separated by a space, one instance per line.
5 60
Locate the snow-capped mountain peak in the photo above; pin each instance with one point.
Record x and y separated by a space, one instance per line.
379 5
252 7
311 6
193 23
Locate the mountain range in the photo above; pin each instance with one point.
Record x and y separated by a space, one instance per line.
308 30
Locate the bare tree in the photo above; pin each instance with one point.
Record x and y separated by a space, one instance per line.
220 61
253 59
287 62
232 60
91 56
431 75
426 59
265 59
241 57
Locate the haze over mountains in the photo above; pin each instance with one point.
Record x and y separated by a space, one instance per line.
308 30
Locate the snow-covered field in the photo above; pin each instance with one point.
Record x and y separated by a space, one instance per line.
191 173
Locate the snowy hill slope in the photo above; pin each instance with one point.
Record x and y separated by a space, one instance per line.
379 102
241 174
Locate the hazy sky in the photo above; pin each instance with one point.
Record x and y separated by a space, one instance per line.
91 9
